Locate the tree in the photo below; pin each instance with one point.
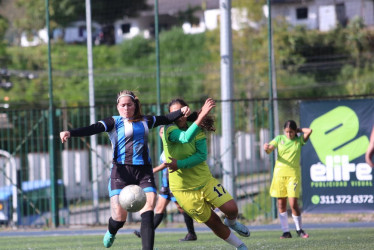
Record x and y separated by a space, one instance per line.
105 13
3 28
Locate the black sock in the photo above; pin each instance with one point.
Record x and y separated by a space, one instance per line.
147 230
114 226
189 223
157 219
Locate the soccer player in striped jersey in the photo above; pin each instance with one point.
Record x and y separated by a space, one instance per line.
128 133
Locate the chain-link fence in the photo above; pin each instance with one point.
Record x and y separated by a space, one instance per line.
25 194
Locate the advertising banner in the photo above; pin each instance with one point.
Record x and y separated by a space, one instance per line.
335 177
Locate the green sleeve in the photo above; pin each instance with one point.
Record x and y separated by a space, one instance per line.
181 136
198 157
275 141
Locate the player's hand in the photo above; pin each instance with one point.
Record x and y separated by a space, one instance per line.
208 106
186 111
268 148
172 165
64 135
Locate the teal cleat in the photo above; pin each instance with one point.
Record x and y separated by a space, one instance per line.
108 239
239 228
242 247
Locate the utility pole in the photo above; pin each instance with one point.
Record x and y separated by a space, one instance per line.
228 139
271 101
93 138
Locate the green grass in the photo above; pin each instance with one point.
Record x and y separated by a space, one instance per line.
353 238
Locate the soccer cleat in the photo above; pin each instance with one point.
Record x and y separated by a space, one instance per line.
137 234
239 228
242 247
108 239
286 235
189 237
302 234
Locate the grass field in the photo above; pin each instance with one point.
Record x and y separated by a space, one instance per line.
342 239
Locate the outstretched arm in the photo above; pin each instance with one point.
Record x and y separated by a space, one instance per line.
169 118
159 167
84 131
370 151
181 136
207 107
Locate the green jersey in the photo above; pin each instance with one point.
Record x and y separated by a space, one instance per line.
288 157
193 171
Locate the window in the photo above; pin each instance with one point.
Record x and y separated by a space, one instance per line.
302 13
341 14
125 28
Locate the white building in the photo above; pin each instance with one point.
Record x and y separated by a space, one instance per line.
323 15
205 12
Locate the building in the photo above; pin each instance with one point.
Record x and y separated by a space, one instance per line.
204 13
323 15
194 16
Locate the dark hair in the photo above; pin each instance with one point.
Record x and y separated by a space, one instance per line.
138 108
290 124
207 123
177 101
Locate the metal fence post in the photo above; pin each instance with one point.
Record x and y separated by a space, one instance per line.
51 146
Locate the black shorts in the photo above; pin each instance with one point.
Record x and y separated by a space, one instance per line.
123 175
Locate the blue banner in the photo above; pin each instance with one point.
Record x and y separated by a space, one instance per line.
335 176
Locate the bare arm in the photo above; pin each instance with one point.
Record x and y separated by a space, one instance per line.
306 133
159 167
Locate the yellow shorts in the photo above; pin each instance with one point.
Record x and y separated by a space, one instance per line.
285 186
198 204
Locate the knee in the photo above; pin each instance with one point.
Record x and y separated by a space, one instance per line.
233 212
230 209
118 217
118 214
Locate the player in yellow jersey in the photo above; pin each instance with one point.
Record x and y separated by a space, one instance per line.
286 176
190 179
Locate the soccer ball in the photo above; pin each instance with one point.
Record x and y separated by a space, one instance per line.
132 198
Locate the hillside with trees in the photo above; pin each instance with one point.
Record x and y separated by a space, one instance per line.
309 64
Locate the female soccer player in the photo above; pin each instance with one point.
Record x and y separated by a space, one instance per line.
165 196
286 176
128 133
191 181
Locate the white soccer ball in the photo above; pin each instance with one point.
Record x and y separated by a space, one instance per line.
132 198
